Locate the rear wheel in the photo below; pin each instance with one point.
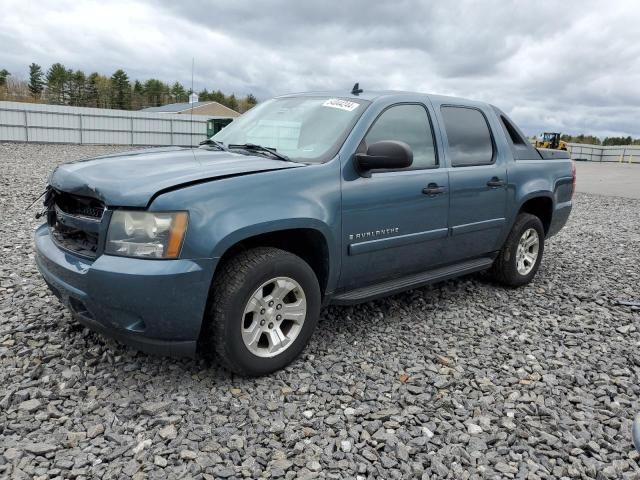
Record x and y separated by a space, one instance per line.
266 304
521 254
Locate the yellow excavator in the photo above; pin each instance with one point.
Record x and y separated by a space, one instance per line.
551 140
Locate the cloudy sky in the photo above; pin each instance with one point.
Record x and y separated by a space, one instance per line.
571 66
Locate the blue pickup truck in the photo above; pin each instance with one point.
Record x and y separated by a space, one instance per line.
306 200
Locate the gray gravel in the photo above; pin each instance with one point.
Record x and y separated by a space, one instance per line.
461 380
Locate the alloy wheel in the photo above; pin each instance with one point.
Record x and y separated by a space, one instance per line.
527 251
273 317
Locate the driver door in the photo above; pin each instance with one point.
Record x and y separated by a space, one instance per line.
392 226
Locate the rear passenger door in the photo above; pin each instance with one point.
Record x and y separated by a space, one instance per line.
478 181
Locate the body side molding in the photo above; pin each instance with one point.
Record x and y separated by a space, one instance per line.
475 226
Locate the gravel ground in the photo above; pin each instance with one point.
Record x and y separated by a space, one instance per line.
461 380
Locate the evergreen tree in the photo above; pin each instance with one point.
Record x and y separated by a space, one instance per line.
137 96
617 141
120 90
232 102
36 81
91 92
4 73
179 93
56 84
247 103
155 92
77 90
251 100
219 97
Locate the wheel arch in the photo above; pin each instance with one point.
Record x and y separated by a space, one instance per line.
539 204
310 240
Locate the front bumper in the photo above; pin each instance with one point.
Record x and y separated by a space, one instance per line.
155 306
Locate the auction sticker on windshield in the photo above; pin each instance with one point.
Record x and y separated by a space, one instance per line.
341 104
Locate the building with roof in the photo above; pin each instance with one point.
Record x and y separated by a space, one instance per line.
210 109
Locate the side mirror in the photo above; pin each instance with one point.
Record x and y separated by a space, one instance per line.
385 154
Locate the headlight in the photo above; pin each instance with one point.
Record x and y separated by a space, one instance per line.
146 234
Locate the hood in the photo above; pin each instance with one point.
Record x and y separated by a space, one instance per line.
132 179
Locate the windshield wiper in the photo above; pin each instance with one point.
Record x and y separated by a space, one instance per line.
215 143
260 148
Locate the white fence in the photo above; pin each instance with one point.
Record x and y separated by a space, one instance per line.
32 122
599 153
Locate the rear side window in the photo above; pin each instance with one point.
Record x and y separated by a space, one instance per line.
409 124
468 135
522 149
515 137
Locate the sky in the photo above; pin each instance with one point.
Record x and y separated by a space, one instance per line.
570 66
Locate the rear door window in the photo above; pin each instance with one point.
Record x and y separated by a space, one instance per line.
468 135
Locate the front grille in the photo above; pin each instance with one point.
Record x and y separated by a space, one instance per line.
74 222
79 206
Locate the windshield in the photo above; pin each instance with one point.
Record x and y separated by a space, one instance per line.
308 129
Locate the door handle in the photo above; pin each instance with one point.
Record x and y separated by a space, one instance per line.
433 189
496 182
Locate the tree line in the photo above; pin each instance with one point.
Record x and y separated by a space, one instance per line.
59 85
593 140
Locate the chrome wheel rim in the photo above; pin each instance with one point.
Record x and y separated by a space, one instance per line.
527 251
273 317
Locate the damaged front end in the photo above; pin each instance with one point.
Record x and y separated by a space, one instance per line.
130 299
75 222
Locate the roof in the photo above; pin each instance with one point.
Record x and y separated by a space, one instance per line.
184 107
372 95
365 95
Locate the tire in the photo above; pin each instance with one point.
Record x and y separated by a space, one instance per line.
506 268
246 343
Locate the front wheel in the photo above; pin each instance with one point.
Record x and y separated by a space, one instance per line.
265 306
520 256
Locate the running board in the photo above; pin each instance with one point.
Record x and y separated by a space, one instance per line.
412 281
